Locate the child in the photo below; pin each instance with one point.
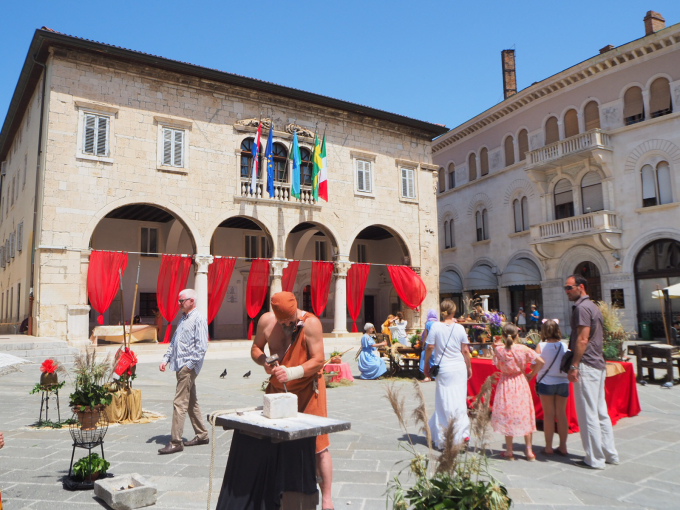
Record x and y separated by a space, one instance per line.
552 387
513 408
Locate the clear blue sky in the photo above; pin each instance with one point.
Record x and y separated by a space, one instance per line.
435 61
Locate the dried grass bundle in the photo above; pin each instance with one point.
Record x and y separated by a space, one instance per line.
420 414
398 403
448 460
88 369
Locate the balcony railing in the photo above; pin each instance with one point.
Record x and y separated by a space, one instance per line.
601 221
593 139
281 193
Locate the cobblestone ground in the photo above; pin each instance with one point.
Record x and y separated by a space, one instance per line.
364 458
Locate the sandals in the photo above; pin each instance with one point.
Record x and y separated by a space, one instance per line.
507 457
530 456
560 452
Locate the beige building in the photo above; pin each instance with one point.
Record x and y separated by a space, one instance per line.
577 173
112 149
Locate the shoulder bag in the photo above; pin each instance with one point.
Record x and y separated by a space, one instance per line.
434 369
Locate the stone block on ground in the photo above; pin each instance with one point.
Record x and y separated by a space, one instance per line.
126 492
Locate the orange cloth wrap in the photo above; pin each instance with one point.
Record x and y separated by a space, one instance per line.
309 401
284 306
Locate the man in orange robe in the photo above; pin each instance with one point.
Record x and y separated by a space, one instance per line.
297 337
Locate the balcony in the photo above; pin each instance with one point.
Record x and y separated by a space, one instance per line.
281 194
603 228
568 150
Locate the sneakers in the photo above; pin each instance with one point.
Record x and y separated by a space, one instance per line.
195 441
170 448
582 464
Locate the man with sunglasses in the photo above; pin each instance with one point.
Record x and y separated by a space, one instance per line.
588 372
185 357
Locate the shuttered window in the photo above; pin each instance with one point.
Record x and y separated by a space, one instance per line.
564 200
525 213
441 183
96 135
570 123
633 106
484 161
452 235
656 185
452 176
660 98
472 167
480 228
447 242
12 244
663 173
592 116
363 176
509 151
523 142
591 193
173 147
20 235
648 186
408 189
552 131
517 210
485 223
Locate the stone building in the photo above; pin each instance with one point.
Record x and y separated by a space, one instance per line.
112 149
574 174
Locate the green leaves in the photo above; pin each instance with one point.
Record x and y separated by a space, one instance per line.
89 465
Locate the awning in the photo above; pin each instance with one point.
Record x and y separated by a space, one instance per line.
521 272
450 283
481 278
673 292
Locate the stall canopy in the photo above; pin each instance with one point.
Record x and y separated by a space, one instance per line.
521 272
673 292
481 277
450 282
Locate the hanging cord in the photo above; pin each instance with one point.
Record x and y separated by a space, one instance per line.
212 418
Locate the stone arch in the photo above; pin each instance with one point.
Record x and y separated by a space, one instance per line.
477 200
628 262
448 212
577 254
398 234
325 228
187 223
261 222
655 145
526 254
518 186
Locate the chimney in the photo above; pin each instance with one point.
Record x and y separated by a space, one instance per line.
509 78
654 22
607 48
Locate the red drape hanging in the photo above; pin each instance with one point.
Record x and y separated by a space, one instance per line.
356 283
103 280
256 291
289 275
219 274
321 284
410 288
172 279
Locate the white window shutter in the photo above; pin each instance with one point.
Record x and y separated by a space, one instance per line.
89 134
12 244
360 175
20 235
102 136
2 256
367 176
663 173
167 147
404 182
178 149
3 168
411 183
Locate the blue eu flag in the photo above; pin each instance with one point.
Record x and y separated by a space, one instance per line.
269 158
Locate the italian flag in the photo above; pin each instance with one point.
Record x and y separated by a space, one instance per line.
323 172
316 159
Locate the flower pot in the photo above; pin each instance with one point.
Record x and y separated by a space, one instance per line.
47 379
89 418
336 359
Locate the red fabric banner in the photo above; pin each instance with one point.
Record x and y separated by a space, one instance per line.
410 288
172 279
103 280
356 283
256 291
321 284
289 276
219 274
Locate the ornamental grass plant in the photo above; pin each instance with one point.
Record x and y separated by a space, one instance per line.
458 476
90 375
614 333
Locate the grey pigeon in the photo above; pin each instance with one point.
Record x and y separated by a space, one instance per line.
667 385
223 374
247 374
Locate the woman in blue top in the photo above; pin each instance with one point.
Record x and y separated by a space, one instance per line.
431 319
371 365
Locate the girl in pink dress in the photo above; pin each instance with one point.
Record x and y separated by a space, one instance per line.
513 408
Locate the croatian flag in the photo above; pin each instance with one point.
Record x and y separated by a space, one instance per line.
256 156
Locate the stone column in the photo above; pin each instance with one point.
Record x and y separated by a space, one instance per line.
504 301
485 303
340 316
201 282
276 266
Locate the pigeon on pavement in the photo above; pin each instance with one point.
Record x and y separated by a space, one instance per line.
247 374
223 374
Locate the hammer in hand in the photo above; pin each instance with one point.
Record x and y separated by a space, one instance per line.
273 360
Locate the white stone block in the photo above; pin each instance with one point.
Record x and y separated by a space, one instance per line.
280 405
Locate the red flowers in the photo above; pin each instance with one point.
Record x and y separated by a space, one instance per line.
49 366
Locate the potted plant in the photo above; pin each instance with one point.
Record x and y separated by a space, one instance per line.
614 334
336 357
90 468
89 395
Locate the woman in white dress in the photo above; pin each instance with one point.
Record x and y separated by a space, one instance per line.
400 324
447 342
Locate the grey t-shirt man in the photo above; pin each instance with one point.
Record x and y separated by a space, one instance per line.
586 313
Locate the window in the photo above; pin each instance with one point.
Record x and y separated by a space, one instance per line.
484 161
592 116
564 200
280 163
408 185
18 302
149 242
173 147
12 190
552 131
306 167
509 151
20 235
525 213
570 123
255 245
320 250
147 304
523 142
452 237
633 106
447 241
95 135
361 253
247 157
472 167
591 193
517 210
441 184
482 221
656 185
452 176
363 176
251 247
660 98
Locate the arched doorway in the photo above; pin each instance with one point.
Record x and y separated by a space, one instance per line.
246 238
592 274
656 267
146 232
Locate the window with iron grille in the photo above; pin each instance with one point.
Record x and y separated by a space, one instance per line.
147 304
149 242
96 134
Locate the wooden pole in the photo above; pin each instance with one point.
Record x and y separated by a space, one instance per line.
663 314
134 304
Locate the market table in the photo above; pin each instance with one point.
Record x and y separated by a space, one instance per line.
343 370
140 333
620 392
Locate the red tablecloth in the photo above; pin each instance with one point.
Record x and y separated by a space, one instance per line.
620 392
343 370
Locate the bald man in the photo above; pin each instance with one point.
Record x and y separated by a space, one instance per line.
185 357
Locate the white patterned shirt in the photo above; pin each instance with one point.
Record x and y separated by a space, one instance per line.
189 343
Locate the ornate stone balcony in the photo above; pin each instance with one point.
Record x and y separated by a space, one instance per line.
603 227
568 150
281 193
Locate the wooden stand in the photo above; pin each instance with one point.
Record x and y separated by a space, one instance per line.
645 354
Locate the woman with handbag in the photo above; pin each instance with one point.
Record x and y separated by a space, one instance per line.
447 341
513 407
552 386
